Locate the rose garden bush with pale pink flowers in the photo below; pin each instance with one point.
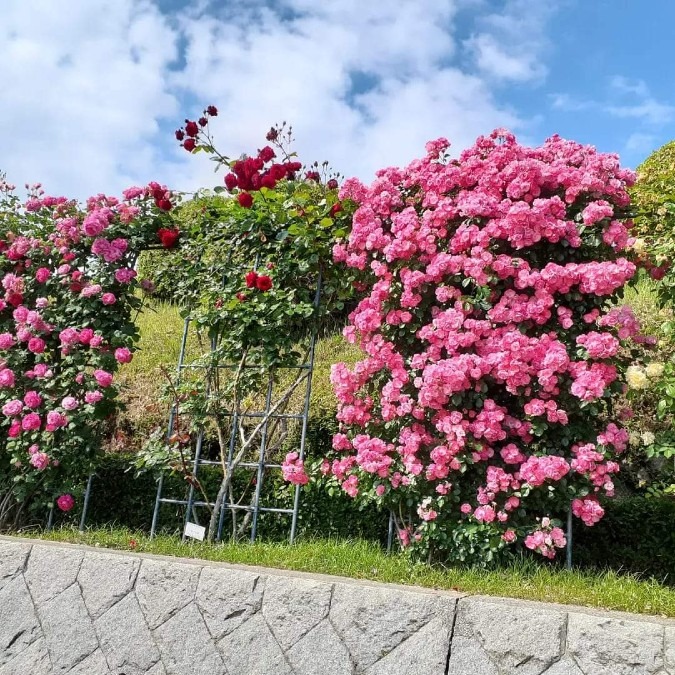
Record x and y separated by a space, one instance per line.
482 408
66 303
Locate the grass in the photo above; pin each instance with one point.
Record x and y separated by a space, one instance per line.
359 559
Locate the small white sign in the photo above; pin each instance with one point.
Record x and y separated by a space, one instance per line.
195 531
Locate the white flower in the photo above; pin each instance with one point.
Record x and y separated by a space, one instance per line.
648 437
636 377
654 369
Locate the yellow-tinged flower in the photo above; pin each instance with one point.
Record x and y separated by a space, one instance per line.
648 437
639 246
636 377
654 369
634 438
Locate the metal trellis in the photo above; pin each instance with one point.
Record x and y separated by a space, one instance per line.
270 414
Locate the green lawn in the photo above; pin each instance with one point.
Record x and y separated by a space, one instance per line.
364 560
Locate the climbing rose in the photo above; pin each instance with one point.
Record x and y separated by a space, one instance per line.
65 502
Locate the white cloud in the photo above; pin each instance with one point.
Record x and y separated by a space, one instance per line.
89 92
82 91
640 144
510 43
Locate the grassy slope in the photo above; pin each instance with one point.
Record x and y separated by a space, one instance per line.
365 560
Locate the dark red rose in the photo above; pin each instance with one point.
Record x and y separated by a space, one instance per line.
76 287
263 283
203 121
212 110
332 184
189 144
251 279
180 134
219 303
313 175
657 273
335 209
241 296
168 236
245 200
164 204
267 181
272 135
191 128
230 181
15 299
266 154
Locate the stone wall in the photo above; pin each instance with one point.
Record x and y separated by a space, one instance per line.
70 609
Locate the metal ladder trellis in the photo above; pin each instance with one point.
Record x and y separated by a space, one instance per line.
268 415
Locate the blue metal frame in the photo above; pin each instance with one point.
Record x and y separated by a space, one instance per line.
261 465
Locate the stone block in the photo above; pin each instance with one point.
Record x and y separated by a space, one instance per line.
94 664
227 598
292 607
34 660
320 652
105 579
186 646
68 629
13 558
518 637
164 588
252 649
19 626
125 638
373 621
50 570
615 646
425 652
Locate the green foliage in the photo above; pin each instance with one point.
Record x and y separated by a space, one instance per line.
636 534
650 465
653 197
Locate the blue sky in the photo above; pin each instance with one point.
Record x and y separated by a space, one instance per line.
91 95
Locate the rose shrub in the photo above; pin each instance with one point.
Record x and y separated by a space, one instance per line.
253 253
66 304
483 405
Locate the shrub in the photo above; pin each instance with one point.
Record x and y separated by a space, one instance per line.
68 295
636 535
483 402
653 197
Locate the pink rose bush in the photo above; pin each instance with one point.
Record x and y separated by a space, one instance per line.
67 293
481 408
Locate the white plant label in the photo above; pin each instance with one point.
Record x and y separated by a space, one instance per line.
195 531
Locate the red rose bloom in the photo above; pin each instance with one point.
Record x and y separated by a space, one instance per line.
313 175
191 128
268 181
212 110
168 237
332 184
335 209
251 279
245 200
241 296
189 144
180 134
203 121
230 181
263 283
266 154
164 204
272 134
